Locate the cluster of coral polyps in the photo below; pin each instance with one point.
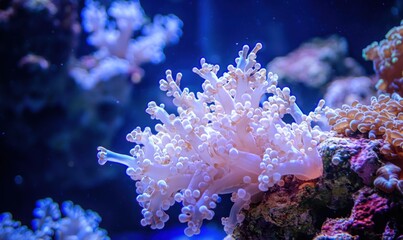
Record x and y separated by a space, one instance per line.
383 118
388 60
227 139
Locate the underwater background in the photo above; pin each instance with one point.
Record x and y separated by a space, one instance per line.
51 123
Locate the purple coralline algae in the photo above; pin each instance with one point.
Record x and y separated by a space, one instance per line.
373 216
368 206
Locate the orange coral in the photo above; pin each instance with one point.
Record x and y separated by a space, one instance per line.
383 118
388 60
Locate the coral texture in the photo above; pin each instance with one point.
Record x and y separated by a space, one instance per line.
383 118
229 138
373 216
339 205
49 223
368 205
316 62
298 209
346 90
117 52
388 60
388 178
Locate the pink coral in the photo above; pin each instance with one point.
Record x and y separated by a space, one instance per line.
336 228
316 62
366 162
369 212
346 90
223 140
383 118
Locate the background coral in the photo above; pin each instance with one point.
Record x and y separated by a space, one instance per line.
49 223
117 52
387 61
316 62
346 90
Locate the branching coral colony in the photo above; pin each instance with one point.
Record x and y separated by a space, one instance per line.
226 139
118 53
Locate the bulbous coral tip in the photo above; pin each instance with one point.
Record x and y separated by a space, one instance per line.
102 155
195 70
257 47
244 51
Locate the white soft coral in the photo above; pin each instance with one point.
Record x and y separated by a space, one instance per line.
226 139
118 53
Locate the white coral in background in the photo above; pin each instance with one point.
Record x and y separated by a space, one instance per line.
72 222
223 140
117 52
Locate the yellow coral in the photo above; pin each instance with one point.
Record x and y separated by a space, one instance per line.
388 61
383 118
